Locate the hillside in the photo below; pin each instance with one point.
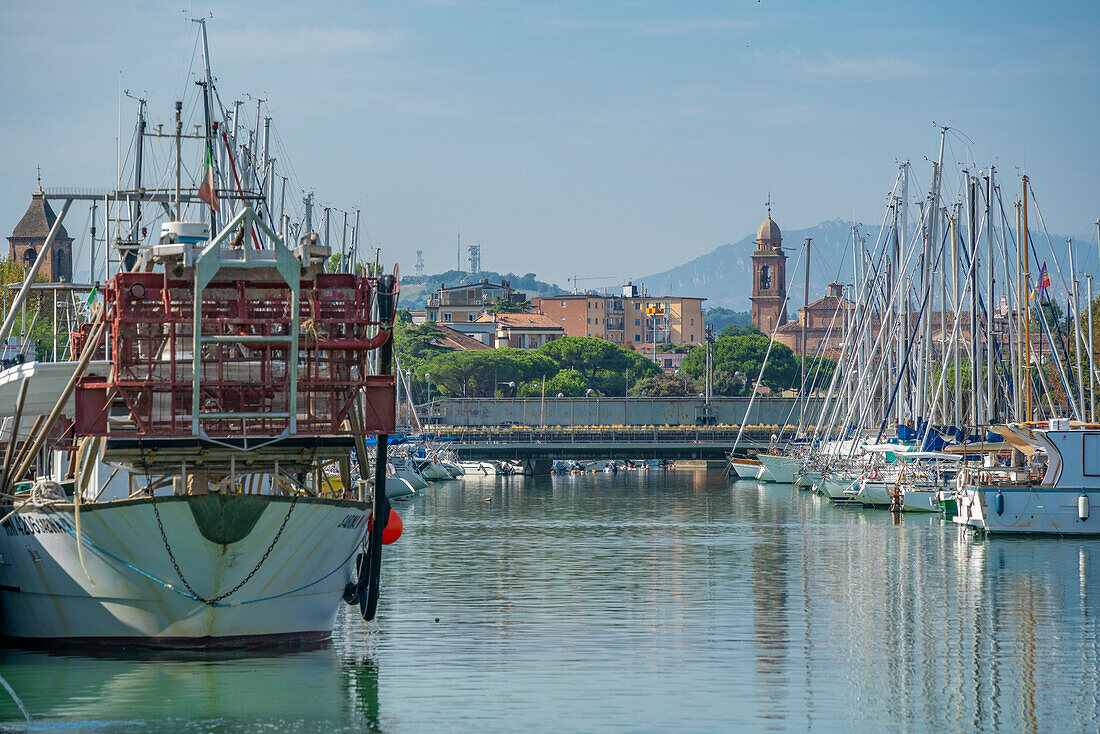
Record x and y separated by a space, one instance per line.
415 289
724 275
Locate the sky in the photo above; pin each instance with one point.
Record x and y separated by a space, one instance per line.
593 139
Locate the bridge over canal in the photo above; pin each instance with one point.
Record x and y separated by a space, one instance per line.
538 430
537 447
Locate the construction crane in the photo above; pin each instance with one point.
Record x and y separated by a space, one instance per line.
574 280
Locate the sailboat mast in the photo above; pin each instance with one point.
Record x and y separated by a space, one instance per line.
1026 296
955 307
989 238
1075 302
1092 357
805 316
972 235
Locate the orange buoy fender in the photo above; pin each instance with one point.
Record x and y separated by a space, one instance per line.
393 528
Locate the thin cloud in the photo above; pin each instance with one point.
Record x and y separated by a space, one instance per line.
870 67
259 43
650 27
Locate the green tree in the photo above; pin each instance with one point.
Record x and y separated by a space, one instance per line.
739 330
587 355
667 386
567 383
503 305
34 321
719 318
478 373
745 355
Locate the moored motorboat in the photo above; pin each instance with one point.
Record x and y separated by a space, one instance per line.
1017 500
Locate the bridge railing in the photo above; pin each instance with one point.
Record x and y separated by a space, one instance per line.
606 434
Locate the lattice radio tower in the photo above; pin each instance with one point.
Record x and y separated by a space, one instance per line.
475 259
420 262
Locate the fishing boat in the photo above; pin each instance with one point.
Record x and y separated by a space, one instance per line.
171 483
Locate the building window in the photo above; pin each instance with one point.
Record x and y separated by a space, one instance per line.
563 318
637 306
29 256
470 316
597 321
563 306
446 316
590 319
637 322
637 338
693 322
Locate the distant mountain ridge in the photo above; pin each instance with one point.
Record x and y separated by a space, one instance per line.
724 275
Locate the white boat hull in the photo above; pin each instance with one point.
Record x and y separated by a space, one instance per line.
874 493
779 469
921 499
128 590
396 488
836 489
744 469
1031 510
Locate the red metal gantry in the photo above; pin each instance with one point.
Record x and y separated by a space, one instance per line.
249 383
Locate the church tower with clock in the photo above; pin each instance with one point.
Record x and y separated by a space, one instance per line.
769 277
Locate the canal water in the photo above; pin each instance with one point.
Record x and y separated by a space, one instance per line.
644 601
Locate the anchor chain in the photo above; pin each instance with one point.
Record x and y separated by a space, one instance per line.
172 556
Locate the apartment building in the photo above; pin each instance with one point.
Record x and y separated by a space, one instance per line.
630 318
585 314
465 303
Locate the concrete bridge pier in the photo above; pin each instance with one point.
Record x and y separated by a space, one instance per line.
537 467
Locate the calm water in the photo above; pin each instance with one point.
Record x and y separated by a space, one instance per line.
660 601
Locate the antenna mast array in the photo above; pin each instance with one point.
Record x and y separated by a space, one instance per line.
475 259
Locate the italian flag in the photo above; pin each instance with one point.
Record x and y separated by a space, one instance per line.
207 192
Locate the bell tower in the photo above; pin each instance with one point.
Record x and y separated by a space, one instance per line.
769 277
30 235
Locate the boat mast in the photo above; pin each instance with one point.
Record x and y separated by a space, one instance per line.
805 317
135 210
1092 357
179 162
355 242
955 306
989 238
976 407
344 246
207 84
1026 296
91 247
1075 301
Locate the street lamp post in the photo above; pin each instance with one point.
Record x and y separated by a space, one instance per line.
510 385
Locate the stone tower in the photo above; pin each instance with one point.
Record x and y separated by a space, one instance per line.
769 277
30 234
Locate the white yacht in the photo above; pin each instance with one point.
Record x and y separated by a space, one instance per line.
1017 500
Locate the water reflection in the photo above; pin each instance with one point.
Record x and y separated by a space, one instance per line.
647 601
235 690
